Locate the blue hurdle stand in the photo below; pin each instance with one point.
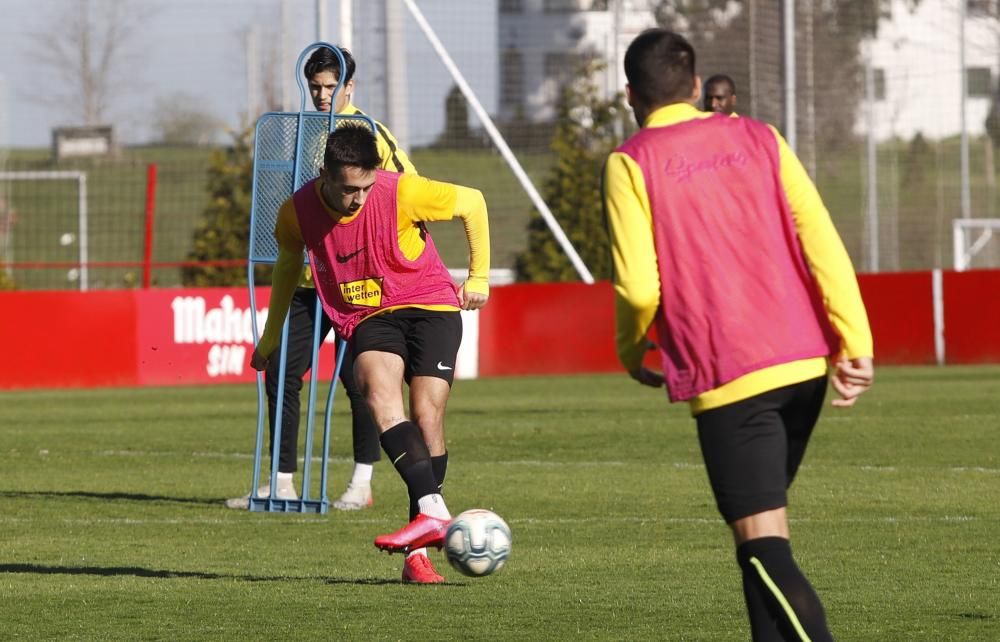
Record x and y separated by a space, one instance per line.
288 153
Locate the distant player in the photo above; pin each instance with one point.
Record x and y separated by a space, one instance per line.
721 242
720 94
386 290
322 73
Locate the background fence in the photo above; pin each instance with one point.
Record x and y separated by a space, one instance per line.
891 105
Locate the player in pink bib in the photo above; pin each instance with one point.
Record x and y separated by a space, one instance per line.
386 290
722 245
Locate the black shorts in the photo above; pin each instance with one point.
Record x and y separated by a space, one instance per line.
752 448
427 340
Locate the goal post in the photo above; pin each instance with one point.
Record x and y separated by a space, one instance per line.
971 237
9 208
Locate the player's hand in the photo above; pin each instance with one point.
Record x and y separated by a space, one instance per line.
851 377
647 377
471 300
258 362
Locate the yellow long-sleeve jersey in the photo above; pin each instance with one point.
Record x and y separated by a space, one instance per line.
393 158
419 200
637 278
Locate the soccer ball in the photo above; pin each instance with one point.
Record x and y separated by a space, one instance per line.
477 542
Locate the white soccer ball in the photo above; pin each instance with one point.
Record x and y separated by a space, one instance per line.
477 542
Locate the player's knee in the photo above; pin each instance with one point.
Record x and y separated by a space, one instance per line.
769 523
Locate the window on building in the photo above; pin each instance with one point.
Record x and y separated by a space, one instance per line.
981 7
511 6
572 6
559 67
879 77
511 78
978 82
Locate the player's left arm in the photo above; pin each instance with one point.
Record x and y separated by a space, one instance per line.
826 255
831 266
421 200
633 252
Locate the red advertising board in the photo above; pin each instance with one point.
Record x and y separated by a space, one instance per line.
67 339
901 313
202 336
132 337
972 316
199 336
548 328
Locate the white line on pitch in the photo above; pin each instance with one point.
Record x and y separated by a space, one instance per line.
544 464
541 521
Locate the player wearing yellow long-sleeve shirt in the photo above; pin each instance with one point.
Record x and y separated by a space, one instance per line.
721 242
322 73
384 287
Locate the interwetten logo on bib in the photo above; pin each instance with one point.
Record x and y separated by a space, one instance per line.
363 292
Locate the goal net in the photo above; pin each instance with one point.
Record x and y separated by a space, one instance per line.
976 243
43 229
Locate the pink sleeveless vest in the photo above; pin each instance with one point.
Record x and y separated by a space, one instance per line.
737 295
358 267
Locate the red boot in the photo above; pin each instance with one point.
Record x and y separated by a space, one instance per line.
423 531
418 570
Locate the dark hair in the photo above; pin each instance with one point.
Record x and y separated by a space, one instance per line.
659 66
323 59
351 146
720 78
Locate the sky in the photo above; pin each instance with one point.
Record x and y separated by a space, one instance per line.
196 50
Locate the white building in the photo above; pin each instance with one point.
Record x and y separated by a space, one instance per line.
917 66
541 42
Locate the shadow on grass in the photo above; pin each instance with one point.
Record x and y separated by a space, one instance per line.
138 571
129 497
108 571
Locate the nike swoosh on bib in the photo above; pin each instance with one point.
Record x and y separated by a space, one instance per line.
344 258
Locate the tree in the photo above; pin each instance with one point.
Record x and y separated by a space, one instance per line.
180 119
6 281
457 134
992 122
588 128
86 44
224 231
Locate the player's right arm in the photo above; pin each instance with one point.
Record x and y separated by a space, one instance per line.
287 272
633 252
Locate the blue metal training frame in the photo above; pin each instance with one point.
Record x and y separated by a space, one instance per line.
288 152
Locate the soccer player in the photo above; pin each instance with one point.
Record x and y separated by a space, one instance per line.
385 288
721 241
720 94
322 73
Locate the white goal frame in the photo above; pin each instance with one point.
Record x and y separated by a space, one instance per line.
81 195
965 242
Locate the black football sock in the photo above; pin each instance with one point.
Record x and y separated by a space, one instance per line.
405 447
781 602
439 464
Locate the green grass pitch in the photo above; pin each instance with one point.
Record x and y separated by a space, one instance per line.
112 524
